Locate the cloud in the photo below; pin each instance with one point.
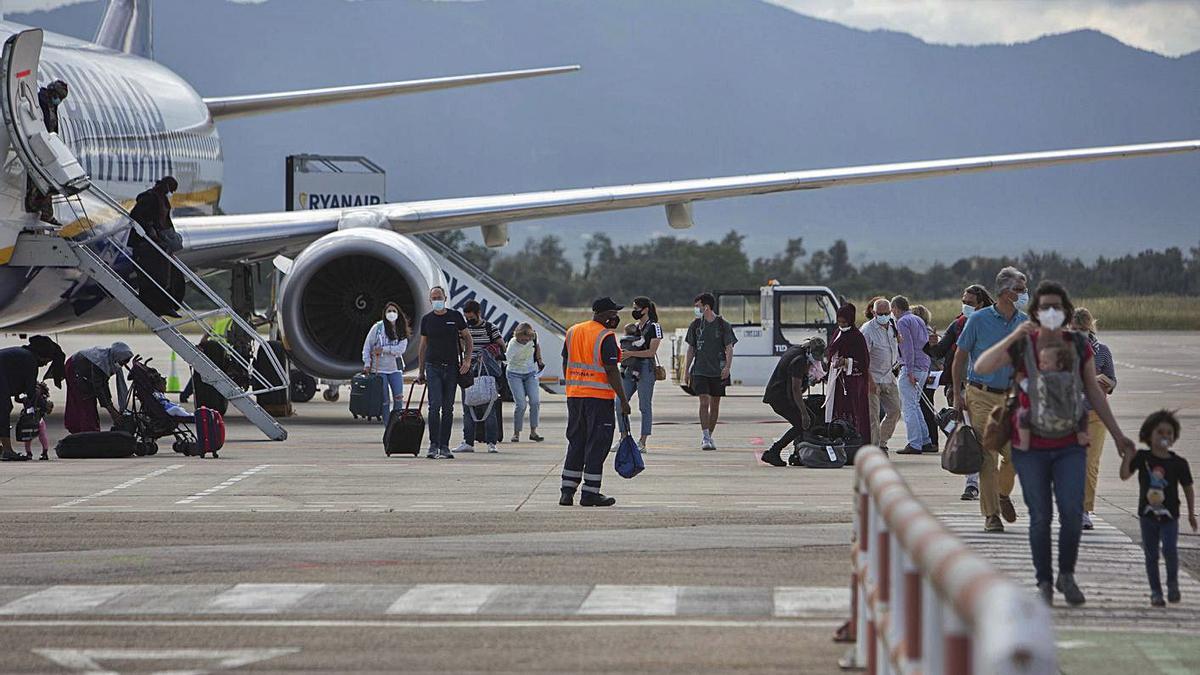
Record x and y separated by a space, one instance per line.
21 6
1168 27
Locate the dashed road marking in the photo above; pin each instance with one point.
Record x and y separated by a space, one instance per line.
261 598
1164 371
444 599
64 600
117 488
92 660
230 482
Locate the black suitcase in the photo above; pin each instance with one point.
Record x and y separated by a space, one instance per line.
368 396
278 400
96 445
405 430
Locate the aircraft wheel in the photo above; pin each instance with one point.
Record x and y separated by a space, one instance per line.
331 394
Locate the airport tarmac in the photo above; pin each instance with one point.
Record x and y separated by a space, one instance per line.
320 554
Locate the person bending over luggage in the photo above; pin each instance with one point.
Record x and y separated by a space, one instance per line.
383 351
88 372
18 377
156 273
785 393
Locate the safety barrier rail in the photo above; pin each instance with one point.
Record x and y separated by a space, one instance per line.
922 602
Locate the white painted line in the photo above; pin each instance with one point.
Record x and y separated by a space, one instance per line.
464 623
261 598
631 600
129 483
443 599
222 485
64 599
1164 371
91 660
803 601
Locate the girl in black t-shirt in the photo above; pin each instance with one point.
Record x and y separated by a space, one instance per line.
1160 475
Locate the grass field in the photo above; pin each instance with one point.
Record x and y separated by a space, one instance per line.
1128 312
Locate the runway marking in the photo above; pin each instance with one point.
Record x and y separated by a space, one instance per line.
261 598
224 484
443 599
91 659
1164 371
127 484
64 600
634 600
801 601
464 623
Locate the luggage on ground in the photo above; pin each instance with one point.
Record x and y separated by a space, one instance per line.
405 430
210 431
276 403
840 433
964 452
96 445
815 456
368 396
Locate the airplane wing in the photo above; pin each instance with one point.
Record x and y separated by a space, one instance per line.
210 239
227 107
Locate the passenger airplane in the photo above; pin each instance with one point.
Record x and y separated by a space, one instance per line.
129 121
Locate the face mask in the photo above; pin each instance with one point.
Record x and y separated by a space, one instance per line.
699 312
968 311
882 319
843 328
612 322
439 305
391 316
1022 301
1164 443
637 313
1051 318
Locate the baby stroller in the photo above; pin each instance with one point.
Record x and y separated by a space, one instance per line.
148 418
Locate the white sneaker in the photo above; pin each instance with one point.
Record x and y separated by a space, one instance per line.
712 445
492 447
465 447
1087 521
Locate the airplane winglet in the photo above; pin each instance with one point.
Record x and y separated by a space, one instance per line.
226 107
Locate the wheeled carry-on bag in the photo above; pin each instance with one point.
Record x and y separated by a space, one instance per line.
405 430
368 396
210 432
96 445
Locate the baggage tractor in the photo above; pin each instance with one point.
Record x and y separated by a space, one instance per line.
96 445
368 396
405 430
210 431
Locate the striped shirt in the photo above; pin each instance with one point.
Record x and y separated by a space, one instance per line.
1104 364
483 333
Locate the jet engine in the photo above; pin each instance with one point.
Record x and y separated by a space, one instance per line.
337 288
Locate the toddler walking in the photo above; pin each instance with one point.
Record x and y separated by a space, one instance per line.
1160 475
41 406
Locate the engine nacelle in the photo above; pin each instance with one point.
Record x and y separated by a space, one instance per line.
336 291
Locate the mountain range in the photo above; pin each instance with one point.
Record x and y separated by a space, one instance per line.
690 88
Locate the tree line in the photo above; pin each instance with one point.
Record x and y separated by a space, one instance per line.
673 270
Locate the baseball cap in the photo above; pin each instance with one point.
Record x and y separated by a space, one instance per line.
605 304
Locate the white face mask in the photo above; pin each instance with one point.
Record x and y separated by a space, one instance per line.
391 316
438 305
882 319
843 328
1051 318
968 310
699 312
1164 443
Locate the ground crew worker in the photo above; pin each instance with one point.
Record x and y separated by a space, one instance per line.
590 361
49 97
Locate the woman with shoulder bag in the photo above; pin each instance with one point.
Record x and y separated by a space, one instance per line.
524 364
383 351
644 371
1054 371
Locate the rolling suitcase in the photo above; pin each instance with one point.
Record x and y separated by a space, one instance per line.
210 432
368 396
405 430
96 445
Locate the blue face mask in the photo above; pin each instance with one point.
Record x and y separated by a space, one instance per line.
439 305
967 311
882 319
54 100
1022 301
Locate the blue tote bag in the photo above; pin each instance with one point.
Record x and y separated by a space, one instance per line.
629 462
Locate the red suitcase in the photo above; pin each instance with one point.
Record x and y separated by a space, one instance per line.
210 431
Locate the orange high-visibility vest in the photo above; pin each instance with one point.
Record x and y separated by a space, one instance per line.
585 374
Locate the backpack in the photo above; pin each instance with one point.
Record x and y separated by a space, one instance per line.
1055 398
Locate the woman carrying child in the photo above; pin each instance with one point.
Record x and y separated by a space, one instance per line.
1053 466
639 373
1160 475
524 363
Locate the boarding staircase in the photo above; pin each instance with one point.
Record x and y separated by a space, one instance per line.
96 244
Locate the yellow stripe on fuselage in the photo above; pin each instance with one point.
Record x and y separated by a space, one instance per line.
206 197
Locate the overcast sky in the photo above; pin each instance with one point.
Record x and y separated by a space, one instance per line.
1169 27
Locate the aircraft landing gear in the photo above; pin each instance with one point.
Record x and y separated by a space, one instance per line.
332 393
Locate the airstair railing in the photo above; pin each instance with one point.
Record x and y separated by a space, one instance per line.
923 602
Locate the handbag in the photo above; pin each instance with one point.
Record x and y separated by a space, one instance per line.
629 461
964 453
998 430
482 392
660 373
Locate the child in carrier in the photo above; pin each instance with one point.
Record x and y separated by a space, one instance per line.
1052 358
633 341
1160 474
41 406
